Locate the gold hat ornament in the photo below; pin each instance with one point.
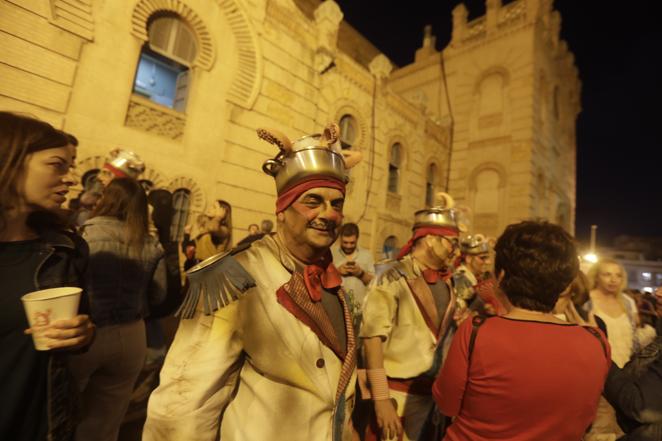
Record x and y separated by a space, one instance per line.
441 214
312 156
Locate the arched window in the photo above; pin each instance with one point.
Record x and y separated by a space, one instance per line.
430 182
163 69
487 192
394 164
491 95
390 248
349 130
181 203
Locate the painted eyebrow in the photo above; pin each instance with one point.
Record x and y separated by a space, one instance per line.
58 157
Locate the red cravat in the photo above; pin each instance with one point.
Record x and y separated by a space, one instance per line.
320 275
432 276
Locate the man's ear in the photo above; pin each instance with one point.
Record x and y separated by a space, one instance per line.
501 275
280 217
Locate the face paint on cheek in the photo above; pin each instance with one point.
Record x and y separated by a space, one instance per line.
306 212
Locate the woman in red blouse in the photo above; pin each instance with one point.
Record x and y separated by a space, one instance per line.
530 376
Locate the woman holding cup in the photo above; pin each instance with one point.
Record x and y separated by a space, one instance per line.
36 252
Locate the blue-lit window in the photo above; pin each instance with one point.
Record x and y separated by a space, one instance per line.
156 79
162 75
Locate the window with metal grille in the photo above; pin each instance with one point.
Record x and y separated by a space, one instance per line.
163 69
394 167
181 204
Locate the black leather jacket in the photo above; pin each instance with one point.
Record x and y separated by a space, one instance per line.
64 263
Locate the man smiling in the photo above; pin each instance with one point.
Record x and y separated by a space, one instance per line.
266 349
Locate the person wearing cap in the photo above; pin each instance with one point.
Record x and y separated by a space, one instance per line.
266 347
406 315
120 163
475 267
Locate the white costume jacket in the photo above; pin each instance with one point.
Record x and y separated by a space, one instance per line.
400 308
255 369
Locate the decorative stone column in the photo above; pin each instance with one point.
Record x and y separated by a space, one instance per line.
327 19
492 15
460 15
380 67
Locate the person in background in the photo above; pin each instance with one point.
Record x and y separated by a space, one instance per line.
87 202
406 315
355 264
607 281
253 235
127 274
36 171
546 385
266 226
634 391
475 267
217 235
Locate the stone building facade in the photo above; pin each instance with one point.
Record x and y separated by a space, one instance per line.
510 90
185 83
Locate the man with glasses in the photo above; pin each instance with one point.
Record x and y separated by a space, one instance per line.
407 313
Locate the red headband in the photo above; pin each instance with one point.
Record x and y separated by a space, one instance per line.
289 196
115 171
424 231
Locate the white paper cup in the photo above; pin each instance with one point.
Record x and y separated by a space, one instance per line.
47 306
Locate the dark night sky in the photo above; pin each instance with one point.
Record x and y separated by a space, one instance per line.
617 51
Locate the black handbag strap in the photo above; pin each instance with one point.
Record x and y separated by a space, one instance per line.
597 335
476 322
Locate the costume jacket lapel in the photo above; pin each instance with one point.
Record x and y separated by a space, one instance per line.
294 297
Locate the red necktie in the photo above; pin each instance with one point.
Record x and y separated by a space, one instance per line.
320 275
432 276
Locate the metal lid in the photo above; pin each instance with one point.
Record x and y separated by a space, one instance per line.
127 162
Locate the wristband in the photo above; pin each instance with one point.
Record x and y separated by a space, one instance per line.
378 384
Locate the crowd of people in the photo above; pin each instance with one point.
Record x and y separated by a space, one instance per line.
295 332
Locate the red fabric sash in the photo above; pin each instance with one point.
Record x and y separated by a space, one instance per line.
432 276
324 274
115 171
289 196
424 231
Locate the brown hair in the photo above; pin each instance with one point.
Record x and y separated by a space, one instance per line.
539 261
21 135
125 199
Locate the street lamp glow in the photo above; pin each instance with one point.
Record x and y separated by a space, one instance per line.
591 257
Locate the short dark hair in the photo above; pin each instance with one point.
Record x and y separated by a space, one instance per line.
267 226
539 261
349 229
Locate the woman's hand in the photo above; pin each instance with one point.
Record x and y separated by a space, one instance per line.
70 334
387 419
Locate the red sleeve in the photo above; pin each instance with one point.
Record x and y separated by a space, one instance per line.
448 388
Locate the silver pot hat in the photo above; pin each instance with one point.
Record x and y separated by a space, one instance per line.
474 245
442 214
310 157
124 162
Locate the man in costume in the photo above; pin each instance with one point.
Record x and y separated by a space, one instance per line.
475 268
406 315
266 348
